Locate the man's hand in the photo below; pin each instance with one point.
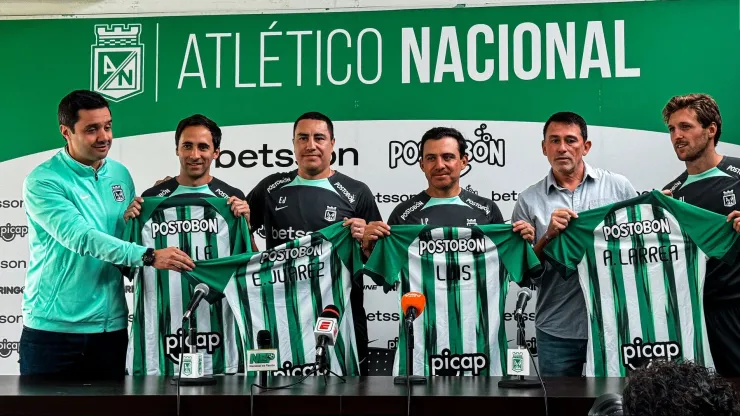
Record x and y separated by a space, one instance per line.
374 231
559 222
162 180
667 192
172 258
357 226
238 207
134 209
525 229
735 218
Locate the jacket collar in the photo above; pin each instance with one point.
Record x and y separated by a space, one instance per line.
79 168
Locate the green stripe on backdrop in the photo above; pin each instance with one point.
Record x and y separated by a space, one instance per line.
491 82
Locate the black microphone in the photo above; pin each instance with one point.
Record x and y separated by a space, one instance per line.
325 332
264 342
201 291
523 296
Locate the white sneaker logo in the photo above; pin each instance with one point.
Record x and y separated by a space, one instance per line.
279 208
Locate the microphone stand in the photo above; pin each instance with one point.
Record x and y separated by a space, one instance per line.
519 381
409 378
205 380
325 366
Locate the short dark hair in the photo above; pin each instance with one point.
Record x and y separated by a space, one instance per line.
437 133
674 388
70 106
315 115
567 117
199 120
707 110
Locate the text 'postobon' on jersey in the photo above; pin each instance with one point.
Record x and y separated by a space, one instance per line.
204 228
464 273
463 210
284 290
641 265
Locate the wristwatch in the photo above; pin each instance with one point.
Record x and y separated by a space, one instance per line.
148 257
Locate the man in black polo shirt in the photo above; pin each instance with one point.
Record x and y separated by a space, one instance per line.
710 181
290 205
444 202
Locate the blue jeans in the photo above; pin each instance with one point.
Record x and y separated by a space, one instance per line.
560 357
75 356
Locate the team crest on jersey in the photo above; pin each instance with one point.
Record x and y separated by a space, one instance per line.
471 221
331 213
729 198
119 196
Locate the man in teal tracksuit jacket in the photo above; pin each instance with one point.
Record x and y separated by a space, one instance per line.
74 306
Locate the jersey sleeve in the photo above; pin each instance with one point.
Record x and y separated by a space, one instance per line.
395 217
514 252
346 247
366 207
495 217
390 255
217 273
256 199
711 232
566 250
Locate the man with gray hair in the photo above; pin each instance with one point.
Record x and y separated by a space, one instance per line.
571 186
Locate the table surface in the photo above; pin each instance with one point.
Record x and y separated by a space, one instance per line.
357 395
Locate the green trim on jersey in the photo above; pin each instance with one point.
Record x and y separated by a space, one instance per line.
201 227
455 200
318 183
182 189
464 274
641 264
285 289
711 173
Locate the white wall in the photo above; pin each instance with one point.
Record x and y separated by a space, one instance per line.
71 8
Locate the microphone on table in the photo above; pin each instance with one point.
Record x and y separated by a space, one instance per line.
325 332
264 358
519 358
523 297
201 291
264 342
412 305
192 360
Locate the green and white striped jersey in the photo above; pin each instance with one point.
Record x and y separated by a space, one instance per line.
464 273
284 290
204 228
641 265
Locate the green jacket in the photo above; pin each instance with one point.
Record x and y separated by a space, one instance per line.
75 220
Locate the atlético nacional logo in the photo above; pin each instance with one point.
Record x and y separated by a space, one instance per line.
330 214
117 69
118 194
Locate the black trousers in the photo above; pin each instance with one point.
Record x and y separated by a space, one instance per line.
723 333
73 356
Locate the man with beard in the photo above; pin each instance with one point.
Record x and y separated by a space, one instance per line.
710 181
570 186
74 305
444 202
290 205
